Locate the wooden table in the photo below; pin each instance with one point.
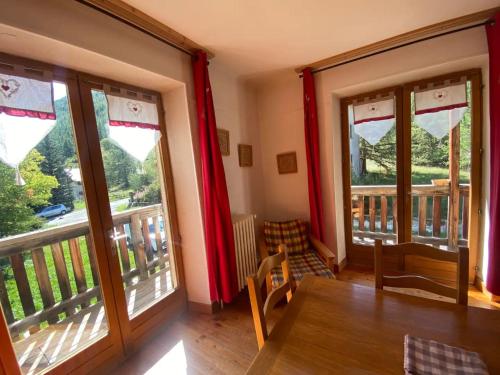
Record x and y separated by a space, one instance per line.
332 326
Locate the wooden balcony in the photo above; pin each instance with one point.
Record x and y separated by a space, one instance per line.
49 283
374 211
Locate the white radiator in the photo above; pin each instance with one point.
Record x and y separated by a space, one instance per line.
245 247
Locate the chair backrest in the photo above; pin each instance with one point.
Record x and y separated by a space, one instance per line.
292 233
260 309
460 257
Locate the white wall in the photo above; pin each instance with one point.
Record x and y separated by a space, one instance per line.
236 110
279 102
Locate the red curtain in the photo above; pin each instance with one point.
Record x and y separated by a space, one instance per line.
219 239
312 154
493 278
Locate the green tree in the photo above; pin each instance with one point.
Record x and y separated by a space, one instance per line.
118 165
62 134
38 186
383 153
101 113
15 215
465 142
427 150
146 185
54 165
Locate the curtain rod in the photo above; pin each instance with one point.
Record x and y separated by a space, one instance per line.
489 22
122 20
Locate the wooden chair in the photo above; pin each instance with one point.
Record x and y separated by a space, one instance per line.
460 257
261 310
318 259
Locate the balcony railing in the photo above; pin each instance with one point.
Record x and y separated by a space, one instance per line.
374 211
65 254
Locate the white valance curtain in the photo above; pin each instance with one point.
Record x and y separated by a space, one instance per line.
133 125
439 110
27 115
373 119
26 97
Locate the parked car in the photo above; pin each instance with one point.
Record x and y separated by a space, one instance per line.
51 211
152 236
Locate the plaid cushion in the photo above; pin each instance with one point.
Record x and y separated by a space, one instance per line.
293 233
300 265
429 357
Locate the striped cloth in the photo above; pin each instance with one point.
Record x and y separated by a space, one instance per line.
428 357
300 265
293 233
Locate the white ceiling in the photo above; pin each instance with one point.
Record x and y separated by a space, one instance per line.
258 36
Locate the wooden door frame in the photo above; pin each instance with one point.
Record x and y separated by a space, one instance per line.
363 254
137 329
8 360
358 253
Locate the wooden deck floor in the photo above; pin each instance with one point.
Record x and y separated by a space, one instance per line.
50 345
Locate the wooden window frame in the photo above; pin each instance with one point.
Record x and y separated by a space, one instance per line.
124 335
363 254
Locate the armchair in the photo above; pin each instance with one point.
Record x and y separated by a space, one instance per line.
306 254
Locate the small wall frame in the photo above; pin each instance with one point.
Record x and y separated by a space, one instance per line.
287 162
223 136
245 156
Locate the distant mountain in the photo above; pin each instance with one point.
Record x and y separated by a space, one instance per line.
62 134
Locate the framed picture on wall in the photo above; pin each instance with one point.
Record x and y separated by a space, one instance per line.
287 162
245 155
223 136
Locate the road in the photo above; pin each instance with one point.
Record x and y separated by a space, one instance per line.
80 215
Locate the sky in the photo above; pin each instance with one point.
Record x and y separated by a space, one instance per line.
59 90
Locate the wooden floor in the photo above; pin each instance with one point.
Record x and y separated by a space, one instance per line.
224 343
50 345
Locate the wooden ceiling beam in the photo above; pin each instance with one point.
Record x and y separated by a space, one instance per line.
394 41
140 20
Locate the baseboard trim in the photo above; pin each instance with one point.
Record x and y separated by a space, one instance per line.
204 308
481 286
337 268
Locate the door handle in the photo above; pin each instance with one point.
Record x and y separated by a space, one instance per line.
114 236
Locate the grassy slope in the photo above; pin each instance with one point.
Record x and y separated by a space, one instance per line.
421 175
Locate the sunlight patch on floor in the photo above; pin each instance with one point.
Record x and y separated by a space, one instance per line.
174 362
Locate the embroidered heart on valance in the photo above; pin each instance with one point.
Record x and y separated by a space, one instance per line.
373 119
26 97
135 108
133 125
9 87
439 110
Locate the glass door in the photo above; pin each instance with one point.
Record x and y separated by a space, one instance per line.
412 166
130 157
370 126
442 146
55 292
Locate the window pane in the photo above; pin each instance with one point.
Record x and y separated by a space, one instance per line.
373 180
134 183
438 159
